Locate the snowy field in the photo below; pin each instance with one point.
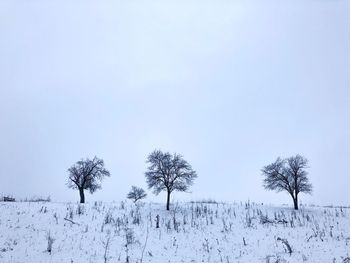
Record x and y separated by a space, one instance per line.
190 232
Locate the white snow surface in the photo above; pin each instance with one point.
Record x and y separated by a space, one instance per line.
190 232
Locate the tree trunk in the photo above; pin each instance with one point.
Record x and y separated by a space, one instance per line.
82 196
168 200
295 201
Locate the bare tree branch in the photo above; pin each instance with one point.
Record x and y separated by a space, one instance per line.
87 175
288 175
167 172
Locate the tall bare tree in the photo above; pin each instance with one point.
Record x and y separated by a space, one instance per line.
288 175
167 172
87 174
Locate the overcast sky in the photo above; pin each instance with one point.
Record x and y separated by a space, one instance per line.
231 85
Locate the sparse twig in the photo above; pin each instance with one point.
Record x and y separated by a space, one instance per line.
285 242
144 246
74 223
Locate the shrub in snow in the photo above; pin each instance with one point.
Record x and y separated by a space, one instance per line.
50 241
136 193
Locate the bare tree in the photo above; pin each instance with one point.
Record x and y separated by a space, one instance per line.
288 175
87 175
167 172
136 193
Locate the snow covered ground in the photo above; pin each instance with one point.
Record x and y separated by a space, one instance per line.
190 232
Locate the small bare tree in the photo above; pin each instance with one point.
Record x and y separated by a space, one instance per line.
288 175
87 175
136 193
167 172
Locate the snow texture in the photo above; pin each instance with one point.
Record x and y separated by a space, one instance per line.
190 232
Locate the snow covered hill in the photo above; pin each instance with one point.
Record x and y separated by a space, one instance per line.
190 232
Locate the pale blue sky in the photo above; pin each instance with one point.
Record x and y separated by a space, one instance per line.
231 85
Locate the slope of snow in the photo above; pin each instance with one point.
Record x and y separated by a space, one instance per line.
190 232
